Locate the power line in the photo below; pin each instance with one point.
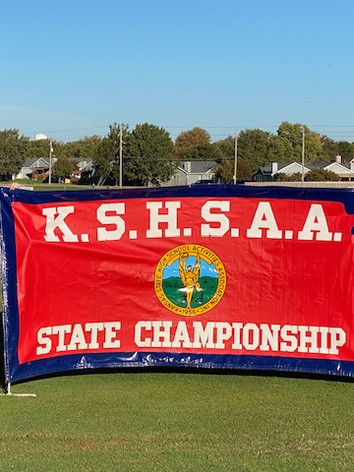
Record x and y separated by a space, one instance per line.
344 131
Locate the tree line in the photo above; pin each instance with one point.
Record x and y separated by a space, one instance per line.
150 156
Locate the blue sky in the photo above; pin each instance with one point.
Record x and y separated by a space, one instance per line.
69 69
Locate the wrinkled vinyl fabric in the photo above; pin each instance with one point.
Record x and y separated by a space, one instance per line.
215 276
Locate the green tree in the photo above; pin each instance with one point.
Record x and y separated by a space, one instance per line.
12 152
149 155
226 147
203 152
63 167
106 160
278 149
282 177
87 147
225 158
293 133
189 139
225 170
346 150
39 148
330 148
253 146
321 175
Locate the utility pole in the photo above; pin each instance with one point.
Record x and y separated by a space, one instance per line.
303 156
50 162
235 160
120 156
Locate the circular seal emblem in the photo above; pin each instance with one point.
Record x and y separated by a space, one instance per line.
190 280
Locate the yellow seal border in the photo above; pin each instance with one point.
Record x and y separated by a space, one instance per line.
192 250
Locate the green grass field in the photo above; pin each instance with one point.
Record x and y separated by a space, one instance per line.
168 421
39 185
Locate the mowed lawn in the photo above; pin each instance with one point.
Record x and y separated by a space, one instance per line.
46 187
39 185
178 421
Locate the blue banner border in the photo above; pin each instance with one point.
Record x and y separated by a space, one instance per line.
344 196
77 362
9 284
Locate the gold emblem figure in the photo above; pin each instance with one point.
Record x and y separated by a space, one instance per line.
189 276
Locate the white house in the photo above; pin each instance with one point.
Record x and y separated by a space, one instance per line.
344 170
35 165
189 172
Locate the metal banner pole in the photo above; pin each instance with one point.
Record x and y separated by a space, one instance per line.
8 393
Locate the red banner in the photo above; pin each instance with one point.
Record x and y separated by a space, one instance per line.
215 275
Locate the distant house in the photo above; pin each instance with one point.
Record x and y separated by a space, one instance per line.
38 167
85 170
268 172
82 166
32 168
344 170
189 172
